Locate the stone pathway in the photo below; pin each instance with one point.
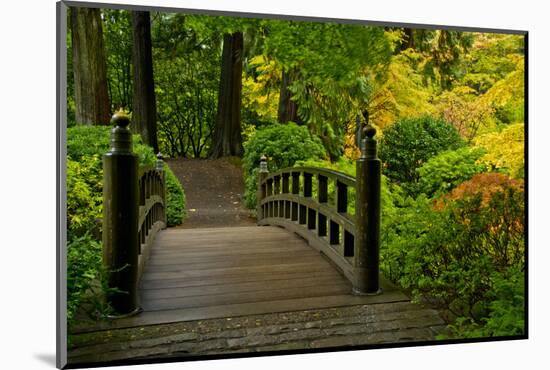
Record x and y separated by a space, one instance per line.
326 328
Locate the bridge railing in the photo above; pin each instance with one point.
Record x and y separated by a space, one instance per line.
315 203
134 199
152 211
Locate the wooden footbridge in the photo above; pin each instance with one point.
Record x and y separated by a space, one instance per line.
315 246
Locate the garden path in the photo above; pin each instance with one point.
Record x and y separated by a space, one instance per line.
214 191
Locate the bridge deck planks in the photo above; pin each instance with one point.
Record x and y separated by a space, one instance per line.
226 255
195 274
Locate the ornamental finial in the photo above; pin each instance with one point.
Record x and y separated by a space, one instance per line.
120 119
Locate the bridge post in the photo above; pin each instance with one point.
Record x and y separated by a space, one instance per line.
120 218
261 193
367 213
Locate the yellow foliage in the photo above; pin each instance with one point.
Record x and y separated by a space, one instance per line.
261 94
505 149
403 93
511 87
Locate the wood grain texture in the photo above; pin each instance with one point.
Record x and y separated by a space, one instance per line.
217 267
195 274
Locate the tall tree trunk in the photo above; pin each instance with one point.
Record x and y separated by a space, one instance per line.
89 68
288 109
227 139
144 114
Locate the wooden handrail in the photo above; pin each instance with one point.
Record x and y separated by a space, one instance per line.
286 198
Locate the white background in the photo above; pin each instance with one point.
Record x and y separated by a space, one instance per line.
27 181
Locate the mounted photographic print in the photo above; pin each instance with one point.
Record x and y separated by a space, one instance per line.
239 185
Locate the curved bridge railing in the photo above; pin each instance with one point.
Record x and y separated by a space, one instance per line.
134 211
316 203
152 212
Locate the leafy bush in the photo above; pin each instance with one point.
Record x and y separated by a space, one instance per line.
175 199
84 195
85 148
87 141
409 143
443 172
283 145
457 252
506 310
83 266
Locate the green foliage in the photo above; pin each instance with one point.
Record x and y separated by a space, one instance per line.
443 172
175 199
403 92
83 266
187 72
443 52
86 141
84 195
505 312
492 58
409 143
333 68
283 145
117 36
454 253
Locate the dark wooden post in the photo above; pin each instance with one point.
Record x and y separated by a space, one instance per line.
367 213
262 190
120 218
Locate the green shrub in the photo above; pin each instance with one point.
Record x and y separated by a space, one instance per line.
84 195
283 144
443 172
83 266
409 143
175 199
456 253
505 314
86 141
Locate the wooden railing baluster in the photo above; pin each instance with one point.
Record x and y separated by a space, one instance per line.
341 197
307 184
322 188
285 177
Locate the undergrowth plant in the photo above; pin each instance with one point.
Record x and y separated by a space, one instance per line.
457 251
